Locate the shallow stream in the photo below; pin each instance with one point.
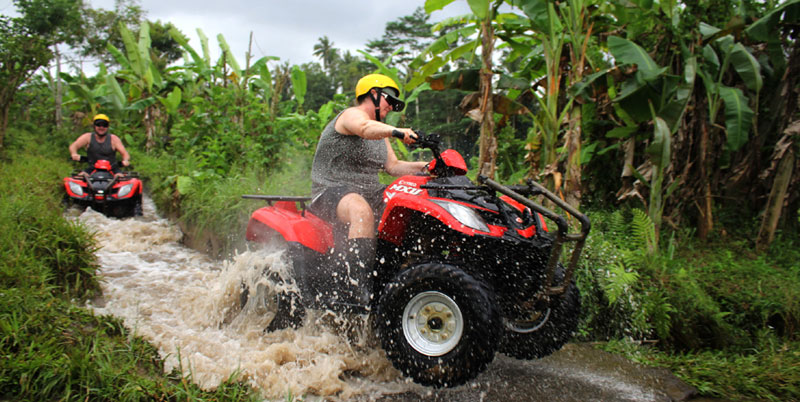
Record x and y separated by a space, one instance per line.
187 306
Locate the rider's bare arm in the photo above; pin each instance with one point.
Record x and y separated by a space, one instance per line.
81 142
354 121
116 144
396 167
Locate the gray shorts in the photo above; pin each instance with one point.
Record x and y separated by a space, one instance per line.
324 205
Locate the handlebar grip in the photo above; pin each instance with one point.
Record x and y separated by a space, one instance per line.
398 134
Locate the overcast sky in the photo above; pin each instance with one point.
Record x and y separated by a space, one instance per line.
288 29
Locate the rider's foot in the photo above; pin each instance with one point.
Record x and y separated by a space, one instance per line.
354 269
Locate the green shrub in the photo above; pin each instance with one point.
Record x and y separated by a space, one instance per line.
689 296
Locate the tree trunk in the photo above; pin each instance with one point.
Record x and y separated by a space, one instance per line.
777 196
149 128
573 143
705 222
488 141
4 121
57 115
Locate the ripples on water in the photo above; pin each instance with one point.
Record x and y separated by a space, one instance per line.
187 305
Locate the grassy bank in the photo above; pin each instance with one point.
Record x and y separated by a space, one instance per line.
51 348
719 315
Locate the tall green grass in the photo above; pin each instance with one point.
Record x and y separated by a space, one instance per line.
50 347
719 315
207 203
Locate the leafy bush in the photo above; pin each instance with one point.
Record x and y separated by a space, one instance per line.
689 297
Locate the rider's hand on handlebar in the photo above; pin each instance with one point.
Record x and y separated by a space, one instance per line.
125 163
76 157
409 136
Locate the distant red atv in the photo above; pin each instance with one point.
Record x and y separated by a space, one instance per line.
461 271
116 197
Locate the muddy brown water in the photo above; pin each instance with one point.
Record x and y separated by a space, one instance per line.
187 305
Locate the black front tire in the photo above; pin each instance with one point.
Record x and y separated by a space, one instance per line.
438 324
547 331
137 206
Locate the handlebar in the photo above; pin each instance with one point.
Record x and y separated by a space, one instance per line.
399 135
116 165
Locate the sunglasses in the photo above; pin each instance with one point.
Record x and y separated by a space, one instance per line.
101 123
396 104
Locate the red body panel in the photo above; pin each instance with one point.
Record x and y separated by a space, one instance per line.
284 218
453 159
405 195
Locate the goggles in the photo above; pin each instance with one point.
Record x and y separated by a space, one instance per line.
101 123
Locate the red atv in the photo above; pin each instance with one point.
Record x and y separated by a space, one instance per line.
463 269
117 197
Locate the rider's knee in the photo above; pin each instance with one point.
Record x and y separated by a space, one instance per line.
354 209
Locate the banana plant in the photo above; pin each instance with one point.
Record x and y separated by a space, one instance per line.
299 86
144 80
481 25
557 28
106 95
649 95
738 115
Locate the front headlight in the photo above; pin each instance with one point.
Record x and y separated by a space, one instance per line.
75 188
466 215
124 190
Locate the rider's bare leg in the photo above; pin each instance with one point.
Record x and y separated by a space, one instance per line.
354 210
358 256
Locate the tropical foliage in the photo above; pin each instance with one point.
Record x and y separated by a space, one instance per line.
675 123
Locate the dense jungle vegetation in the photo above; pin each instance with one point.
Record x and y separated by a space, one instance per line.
674 125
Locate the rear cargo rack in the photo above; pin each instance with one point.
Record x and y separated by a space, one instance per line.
270 199
562 234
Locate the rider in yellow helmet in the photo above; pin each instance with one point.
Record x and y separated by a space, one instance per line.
99 144
351 151
384 87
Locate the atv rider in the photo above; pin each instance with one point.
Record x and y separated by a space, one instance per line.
99 145
351 151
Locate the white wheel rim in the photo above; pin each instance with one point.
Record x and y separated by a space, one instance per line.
526 327
432 323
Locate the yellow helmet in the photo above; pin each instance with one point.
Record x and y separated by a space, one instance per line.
100 116
385 85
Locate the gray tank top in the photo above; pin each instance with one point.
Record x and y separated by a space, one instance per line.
101 150
347 161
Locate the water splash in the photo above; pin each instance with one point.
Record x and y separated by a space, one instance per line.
189 307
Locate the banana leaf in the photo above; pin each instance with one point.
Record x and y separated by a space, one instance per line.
299 84
229 58
747 67
627 52
738 116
